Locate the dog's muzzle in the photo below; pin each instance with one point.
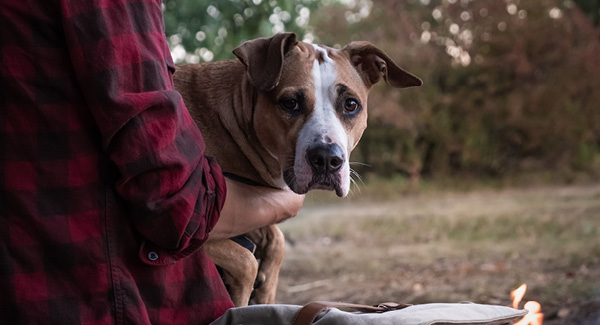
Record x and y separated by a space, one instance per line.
325 161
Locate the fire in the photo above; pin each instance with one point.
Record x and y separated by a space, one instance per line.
534 317
518 294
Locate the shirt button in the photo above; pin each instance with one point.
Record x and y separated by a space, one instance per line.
152 256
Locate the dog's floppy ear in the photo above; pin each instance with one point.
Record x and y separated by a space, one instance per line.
373 64
263 58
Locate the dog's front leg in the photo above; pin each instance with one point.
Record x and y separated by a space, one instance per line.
239 265
270 249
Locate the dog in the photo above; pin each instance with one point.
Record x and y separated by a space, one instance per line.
286 115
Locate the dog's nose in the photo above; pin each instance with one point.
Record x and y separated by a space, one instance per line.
325 158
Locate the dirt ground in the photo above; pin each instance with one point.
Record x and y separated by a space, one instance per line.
446 246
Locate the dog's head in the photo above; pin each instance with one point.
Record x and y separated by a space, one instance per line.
311 105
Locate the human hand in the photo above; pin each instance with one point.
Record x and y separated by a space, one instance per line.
251 207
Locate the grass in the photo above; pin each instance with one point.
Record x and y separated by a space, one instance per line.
439 245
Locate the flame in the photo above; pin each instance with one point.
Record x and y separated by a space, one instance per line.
518 294
533 317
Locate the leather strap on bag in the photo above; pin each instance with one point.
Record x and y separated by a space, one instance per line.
310 311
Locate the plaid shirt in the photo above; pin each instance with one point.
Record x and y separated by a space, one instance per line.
105 193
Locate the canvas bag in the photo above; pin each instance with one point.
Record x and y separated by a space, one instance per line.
324 313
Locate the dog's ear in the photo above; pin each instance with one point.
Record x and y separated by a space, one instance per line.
263 58
373 64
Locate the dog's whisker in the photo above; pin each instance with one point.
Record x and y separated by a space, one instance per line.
359 163
357 188
354 173
355 185
291 178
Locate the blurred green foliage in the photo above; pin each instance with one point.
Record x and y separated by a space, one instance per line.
202 30
510 86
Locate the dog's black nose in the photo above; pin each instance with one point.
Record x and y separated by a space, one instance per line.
325 158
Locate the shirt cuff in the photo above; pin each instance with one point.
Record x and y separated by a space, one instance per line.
152 254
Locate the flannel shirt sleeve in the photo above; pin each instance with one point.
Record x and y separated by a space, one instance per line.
122 62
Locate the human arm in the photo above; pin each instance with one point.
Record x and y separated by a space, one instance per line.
250 207
123 66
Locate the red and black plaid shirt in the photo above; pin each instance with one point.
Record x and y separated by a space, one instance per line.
105 193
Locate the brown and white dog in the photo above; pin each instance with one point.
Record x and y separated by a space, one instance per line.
286 115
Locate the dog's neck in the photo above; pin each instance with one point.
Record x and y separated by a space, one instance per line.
222 93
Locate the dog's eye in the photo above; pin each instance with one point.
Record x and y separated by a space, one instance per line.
351 105
289 104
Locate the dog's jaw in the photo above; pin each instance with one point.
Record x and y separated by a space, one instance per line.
322 127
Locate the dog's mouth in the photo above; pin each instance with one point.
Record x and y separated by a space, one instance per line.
318 181
327 182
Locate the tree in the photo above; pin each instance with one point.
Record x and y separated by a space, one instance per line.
202 30
509 86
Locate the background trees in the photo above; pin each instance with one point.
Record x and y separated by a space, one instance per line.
202 30
511 86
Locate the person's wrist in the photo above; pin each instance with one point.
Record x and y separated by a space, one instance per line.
293 206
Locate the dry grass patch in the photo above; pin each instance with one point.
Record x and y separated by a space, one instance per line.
445 246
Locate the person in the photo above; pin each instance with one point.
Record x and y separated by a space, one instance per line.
106 196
